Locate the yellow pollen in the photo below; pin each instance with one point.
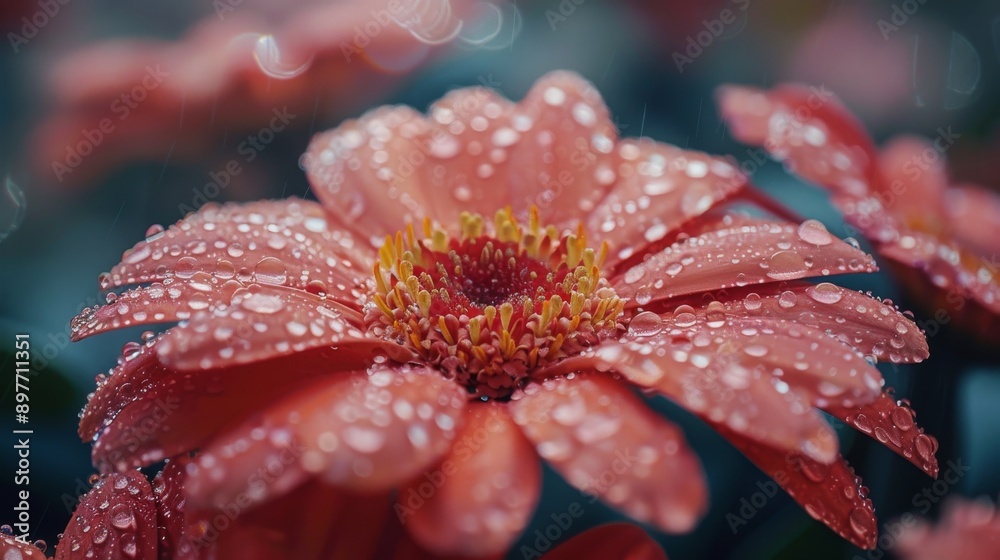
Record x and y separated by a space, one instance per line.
495 302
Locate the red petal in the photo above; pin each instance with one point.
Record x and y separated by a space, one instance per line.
282 242
564 164
365 431
116 519
830 493
362 174
718 389
312 522
892 424
614 540
974 217
12 548
795 357
739 256
605 441
480 498
659 188
262 322
914 186
809 130
969 530
168 490
146 411
871 326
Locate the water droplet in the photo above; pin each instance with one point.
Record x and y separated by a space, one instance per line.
825 293
121 517
785 265
813 231
645 324
862 423
271 61
270 270
787 299
752 302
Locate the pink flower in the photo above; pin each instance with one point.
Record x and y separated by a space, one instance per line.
899 198
127 100
968 529
478 288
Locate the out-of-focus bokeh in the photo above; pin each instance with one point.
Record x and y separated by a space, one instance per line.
118 116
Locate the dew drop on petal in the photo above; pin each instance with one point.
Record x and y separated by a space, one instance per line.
813 231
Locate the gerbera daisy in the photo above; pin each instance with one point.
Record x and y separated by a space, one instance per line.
477 288
899 198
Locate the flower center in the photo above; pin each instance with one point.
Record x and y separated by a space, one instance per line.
494 304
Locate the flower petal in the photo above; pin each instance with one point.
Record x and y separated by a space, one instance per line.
365 431
363 172
168 490
809 130
831 493
482 495
892 424
613 540
739 256
605 441
913 184
282 242
12 548
974 216
797 358
145 411
567 151
116 519
718 389
873 327
967 529
262 322
659 188
312 522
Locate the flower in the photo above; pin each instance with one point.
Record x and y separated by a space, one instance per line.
143 99
898 198
477 288
967 529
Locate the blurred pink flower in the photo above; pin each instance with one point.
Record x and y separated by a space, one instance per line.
899 198
969 530
127 100
442 319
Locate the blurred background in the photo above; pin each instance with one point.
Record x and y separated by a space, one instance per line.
124 115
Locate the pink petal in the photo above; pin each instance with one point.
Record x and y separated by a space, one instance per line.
914 185
605 441
262 322
974 217
716 388
872 327
286 242
796 358
480 498
115 520
739 256
146 411
892 423
613 540
659 188
969 530
363 172
564 163
365 431
809 130
312 522
831 493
